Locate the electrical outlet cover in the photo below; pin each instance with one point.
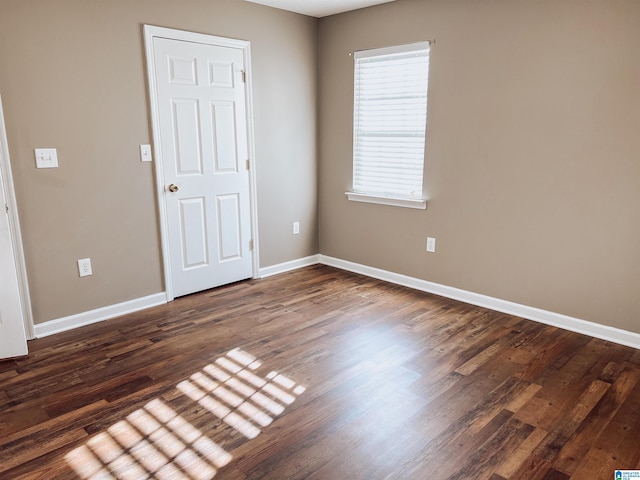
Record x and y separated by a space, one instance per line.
84 267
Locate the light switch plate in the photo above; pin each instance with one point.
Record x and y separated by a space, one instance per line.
431 244
145 153
46 158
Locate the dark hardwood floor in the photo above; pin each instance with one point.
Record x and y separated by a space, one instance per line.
320 373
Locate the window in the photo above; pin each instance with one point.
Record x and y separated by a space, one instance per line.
390 118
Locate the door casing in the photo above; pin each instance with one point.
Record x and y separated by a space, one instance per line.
151 32
14 227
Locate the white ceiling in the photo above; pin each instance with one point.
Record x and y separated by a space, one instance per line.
319 8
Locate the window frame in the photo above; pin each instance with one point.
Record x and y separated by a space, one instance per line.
376 197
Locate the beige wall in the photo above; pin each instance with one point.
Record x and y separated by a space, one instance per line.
532 169
533 155
72 76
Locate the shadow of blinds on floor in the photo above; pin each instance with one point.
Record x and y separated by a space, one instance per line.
155 441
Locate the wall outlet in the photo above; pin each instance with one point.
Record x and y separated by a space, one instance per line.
296 228
84 267
431 244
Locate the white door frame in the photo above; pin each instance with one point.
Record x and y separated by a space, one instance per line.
151 32
14 228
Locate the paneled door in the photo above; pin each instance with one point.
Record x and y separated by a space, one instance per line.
202 119
13 341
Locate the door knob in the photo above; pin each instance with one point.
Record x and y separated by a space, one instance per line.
173 188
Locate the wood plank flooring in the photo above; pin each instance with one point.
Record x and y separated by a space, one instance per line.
323 374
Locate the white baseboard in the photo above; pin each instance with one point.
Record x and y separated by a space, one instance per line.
604 332
288 266
98 315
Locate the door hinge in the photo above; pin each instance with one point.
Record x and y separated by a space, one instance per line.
248 164
244 76
6 207
251 244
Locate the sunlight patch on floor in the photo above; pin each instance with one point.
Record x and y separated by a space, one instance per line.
157 442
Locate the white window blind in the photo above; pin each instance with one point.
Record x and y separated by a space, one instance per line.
390 117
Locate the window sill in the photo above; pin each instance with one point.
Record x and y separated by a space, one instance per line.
394 202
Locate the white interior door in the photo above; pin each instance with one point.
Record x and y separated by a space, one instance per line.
13 340
201 113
